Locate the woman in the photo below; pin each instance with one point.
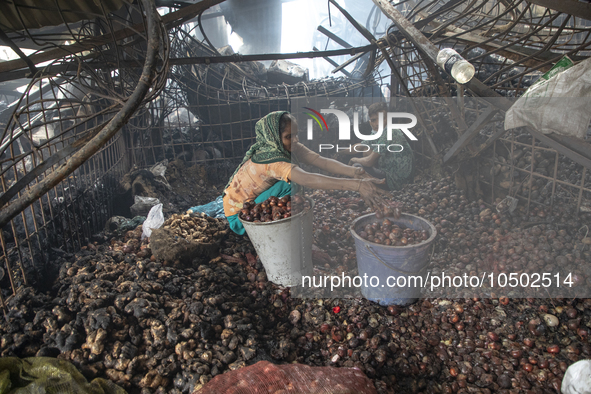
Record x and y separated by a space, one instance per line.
395 167
269 167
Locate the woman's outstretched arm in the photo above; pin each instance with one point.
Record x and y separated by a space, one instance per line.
366 187
330 165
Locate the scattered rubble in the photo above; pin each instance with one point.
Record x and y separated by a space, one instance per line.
151 326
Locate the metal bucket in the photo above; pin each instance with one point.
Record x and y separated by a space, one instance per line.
284 246
384 261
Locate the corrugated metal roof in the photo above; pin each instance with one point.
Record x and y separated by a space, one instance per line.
17 15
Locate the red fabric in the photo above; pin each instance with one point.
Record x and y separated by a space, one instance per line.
266 378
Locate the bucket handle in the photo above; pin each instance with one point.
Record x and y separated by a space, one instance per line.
403 272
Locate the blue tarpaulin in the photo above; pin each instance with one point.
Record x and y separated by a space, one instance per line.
215 209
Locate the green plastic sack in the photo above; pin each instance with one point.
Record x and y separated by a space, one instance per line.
48 375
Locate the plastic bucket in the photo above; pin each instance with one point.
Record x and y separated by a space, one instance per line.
284 246
407 262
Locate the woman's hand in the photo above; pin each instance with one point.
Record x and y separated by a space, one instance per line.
354 160
364 186
360 173
371 194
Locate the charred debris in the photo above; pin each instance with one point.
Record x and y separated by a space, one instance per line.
107 112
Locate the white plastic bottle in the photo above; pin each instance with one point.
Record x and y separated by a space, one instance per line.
460 69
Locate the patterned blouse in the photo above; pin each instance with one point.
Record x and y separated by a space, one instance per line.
398 166
253 179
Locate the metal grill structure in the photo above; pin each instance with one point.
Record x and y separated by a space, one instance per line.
207 112
87 71
519 166
509 42
57 191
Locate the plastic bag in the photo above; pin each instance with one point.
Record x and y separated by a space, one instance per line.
560 104
122 224
576 378
142 205
155 220
215 209
159 169
266 378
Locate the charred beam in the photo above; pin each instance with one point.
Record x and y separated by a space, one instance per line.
334 37
94 145
73 66
364 32
476 151
474 129
333 63
271 56
170 20
408 29
6 40
345 64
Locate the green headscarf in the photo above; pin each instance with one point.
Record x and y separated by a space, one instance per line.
268 147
